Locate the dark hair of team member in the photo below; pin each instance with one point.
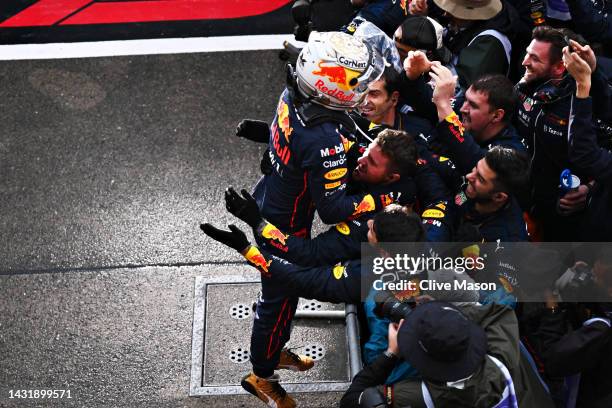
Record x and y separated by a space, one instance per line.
556 38
394 224
393 80
400 148
511 168
500 93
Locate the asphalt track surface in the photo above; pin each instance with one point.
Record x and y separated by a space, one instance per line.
108 162
107 168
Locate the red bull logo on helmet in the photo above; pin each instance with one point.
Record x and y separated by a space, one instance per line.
273 233
320 85
256 259
345 78
333 73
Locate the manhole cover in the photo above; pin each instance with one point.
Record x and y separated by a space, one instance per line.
240 311
314 351
239 355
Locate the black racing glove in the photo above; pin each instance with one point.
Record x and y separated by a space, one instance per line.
243 207
253 130
234 238
266 164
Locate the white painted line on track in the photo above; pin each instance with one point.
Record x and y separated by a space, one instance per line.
143 47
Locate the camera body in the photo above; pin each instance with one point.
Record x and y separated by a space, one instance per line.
390 307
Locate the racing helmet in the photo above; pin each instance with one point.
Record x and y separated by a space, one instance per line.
334 69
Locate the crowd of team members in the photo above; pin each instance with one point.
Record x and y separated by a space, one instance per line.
441 130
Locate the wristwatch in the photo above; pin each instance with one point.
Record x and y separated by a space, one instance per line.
389 354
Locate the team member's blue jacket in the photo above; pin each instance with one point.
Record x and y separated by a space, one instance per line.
542 120
309 172
433 173
343 241
431 176
339 243
504 225
460 146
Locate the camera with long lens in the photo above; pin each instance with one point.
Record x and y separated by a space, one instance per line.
390 307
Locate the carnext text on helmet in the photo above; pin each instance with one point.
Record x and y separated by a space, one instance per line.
349 63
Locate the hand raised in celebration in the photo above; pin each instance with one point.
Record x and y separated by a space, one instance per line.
580 70
418 7
444 91
585 52
416 64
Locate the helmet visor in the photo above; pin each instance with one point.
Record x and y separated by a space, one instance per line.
376 67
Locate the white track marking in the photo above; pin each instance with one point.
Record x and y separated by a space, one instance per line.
144 47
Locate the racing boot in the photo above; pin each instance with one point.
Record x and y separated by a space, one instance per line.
268 390
291 361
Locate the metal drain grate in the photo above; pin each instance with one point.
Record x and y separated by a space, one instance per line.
332 339
240 311
312 305
239 355
314 351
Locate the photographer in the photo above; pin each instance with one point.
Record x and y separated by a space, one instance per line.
468 356
384 307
